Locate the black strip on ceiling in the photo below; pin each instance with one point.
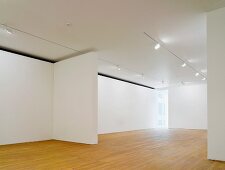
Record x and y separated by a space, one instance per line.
127 81
50 61
25 54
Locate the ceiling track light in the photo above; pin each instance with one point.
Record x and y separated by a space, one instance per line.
6 29
203 78
157 46
118 67
140 75
196 74
184 65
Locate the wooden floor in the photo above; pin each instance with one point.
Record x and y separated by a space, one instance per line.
136 150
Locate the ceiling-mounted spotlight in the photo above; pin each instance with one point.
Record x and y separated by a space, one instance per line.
203 78
8 31
157 46
118 68
196 74
183 65
140 75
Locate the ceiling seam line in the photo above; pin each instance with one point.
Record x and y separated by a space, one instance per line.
41 38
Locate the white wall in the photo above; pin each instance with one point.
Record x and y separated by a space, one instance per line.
124 107
216 84
75 99
25 99
188 107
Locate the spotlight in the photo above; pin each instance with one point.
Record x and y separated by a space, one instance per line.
8 31
203 78
183 65
118 68
196 74
157 46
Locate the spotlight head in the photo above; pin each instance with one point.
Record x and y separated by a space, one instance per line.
157 46
196 74
118 68
183 65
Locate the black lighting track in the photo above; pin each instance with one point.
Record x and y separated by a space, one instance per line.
25 54
127 81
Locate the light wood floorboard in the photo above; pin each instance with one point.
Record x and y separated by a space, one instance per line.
136 150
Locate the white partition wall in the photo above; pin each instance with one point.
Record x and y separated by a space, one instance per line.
75 99
125 107
188 107
25 99
216 84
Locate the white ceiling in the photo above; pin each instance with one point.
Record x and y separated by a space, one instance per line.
114 28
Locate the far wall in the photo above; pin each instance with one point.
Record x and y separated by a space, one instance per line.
188 107
125 107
